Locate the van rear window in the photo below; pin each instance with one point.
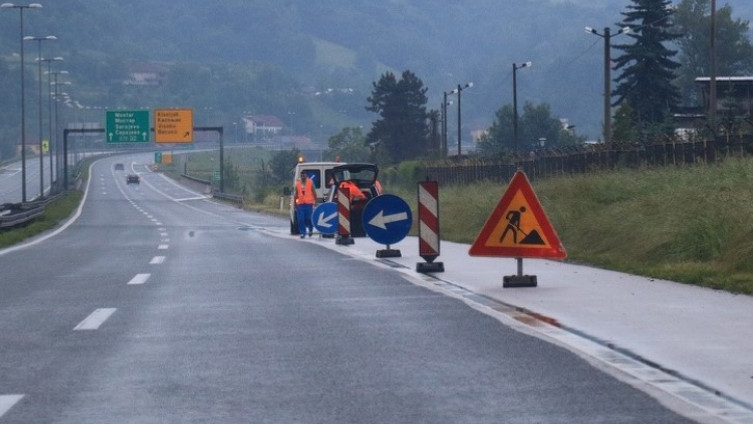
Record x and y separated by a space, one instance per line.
315 176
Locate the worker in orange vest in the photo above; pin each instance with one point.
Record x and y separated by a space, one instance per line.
305 199
354 192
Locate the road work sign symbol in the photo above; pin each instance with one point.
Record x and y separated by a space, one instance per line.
518 226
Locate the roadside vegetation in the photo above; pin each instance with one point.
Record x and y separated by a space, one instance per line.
687 224
690 224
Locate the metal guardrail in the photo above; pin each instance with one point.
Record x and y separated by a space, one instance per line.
20 214
232 198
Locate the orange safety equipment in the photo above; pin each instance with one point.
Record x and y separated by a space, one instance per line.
305 195
354 191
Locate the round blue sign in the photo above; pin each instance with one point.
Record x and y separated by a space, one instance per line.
325 218
387 219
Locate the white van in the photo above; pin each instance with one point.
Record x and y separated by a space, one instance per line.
320 174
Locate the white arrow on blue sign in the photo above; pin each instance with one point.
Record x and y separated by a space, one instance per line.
387 219
325 218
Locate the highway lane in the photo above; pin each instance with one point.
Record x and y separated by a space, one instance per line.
157 305
10 180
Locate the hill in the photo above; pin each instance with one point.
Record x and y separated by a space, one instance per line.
327 44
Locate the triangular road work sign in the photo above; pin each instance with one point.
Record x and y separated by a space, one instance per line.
518 226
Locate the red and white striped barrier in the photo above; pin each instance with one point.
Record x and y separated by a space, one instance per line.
343 217
428 228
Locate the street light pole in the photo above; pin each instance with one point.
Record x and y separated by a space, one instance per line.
58 145
515 103
457 91
39 80
21 8
607 36
49 112
712 76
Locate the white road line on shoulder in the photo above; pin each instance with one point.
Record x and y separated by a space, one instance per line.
95 319
139 279
7 402
157 260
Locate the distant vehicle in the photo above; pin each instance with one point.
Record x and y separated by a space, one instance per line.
132 178
320 174
364 177
119 167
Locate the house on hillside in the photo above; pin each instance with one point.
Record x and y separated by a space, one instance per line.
262 127
146 74
734 108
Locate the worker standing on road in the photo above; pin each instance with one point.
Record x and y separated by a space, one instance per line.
305 199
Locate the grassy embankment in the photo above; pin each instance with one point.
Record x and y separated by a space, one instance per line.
691 224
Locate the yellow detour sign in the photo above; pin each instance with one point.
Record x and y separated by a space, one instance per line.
45 146
167 158
173 125
518 227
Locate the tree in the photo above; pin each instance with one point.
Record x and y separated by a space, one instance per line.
349 145
283 163
647 68
401 132
734 52
536 122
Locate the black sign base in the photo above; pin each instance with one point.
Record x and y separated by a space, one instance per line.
430 267
344 240
388 253
519 281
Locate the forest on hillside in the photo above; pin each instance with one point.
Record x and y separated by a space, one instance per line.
279 56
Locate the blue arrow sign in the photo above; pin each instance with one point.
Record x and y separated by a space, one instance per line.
325 218
387 219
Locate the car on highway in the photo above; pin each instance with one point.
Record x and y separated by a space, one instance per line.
132 179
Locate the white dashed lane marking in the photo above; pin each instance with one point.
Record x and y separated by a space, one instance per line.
157 260
95 319
139 279
7 402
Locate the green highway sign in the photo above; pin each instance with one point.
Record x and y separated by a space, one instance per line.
127 126
157 157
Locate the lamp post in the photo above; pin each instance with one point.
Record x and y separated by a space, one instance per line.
712 76
21 8
515 103
457 91
39 78
443 129
58 147
607 36
49 111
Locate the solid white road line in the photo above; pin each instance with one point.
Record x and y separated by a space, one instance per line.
95 319
7 402
139 279
157 260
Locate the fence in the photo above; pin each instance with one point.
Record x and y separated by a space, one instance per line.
582 159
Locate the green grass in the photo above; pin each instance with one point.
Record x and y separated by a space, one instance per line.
691 225
54 213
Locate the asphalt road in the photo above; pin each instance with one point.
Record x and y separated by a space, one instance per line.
159 306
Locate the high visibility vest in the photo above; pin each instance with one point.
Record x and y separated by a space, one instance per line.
353 190
305 195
